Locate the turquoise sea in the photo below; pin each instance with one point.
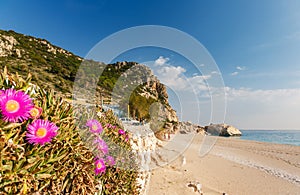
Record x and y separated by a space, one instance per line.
291 137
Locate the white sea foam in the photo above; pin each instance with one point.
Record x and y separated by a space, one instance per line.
295 179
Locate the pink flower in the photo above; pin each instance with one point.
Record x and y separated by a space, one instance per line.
121 132
15 105
101 146
94 125
108 125
35 112
110 160
41 132
100 166
126 138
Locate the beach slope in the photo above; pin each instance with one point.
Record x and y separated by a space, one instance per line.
233 166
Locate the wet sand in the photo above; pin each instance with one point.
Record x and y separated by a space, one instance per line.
233 166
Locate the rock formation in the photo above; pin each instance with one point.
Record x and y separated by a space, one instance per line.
55 68
222 130
143 144
7 46
188 127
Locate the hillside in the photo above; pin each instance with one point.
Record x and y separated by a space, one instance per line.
55 68
49 65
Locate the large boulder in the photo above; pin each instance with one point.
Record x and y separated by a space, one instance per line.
188 127
222 130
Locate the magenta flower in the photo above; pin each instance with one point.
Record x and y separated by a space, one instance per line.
41 132
126 138
15 105
101 146
110 160
100 166
94 125
121 132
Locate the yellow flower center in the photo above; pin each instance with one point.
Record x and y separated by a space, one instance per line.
12 106
99 165
41 132
94 127
34 112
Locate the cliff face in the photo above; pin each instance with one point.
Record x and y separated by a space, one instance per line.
124 83
147 98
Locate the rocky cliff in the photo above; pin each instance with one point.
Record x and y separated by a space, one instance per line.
123 83
147 98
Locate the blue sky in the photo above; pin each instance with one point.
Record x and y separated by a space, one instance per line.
255 44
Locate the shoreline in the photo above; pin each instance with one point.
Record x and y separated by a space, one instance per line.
267 142
286 137
233 166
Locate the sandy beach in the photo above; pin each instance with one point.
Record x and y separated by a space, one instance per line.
233 166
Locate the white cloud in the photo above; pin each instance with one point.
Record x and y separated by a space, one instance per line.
247 108
198 82
234 73
198 85
263 109
173 77
199 79
161 61
241 68
261 95
215 72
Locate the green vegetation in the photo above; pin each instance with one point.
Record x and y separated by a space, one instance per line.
55 167
111 74
66 164
54 68
140 106
56 71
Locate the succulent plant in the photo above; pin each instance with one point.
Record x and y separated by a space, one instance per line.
64 164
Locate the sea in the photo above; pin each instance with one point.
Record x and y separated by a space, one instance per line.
291 137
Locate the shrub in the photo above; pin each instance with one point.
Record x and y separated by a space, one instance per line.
64 164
